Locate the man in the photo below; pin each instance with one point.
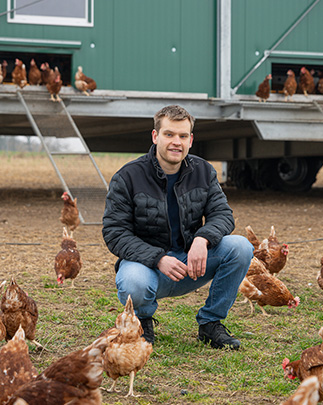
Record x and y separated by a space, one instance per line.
169 222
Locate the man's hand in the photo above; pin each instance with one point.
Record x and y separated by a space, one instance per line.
196 258
172 268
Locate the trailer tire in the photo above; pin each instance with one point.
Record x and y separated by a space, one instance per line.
295 174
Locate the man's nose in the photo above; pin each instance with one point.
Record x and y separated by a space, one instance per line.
177 140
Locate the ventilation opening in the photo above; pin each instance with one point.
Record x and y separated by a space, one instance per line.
279 74
63 62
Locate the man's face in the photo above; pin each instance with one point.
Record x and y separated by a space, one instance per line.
173 141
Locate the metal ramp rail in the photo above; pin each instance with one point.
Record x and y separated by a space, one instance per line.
77 170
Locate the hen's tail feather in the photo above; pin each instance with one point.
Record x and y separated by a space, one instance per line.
252 238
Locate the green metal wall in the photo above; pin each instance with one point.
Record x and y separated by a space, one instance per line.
258 24
133 44
134 41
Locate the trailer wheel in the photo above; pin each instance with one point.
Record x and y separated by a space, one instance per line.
295 174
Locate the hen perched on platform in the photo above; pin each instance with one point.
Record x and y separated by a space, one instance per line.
263 91
84 83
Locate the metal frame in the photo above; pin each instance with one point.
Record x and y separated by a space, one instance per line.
49 153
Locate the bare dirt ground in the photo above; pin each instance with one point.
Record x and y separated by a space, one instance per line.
30 230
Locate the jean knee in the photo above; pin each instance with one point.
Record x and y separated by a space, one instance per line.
242 248
136 282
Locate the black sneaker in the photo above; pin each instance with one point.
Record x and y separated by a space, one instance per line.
218 335
148 327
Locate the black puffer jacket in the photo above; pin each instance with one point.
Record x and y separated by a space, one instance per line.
135 221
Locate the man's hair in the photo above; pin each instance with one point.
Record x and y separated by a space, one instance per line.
173 113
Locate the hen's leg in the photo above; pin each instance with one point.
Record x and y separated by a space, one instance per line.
72 285
263 311
252 308
39 345
130 393
113 387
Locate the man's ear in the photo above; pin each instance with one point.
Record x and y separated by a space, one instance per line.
191 141
154 135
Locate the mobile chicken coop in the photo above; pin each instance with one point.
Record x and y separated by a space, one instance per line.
208 56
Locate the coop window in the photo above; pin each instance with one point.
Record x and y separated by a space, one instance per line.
49 12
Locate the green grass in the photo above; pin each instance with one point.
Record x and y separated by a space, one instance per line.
182 369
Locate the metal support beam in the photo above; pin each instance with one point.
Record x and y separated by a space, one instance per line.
223 70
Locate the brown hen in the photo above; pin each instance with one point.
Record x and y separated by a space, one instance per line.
306 82
265 289
34 74
84 83
277 252
263 91
290 85
310 364
70 213
19 75
54 85
47 74
19 309
306 394
3 332
73 379
68 261
129 352
16 367
4 69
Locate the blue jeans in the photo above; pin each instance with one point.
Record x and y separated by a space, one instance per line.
227 264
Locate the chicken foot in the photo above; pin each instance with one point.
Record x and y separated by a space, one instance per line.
112 388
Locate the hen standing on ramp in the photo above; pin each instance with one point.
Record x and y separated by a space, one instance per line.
129 352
